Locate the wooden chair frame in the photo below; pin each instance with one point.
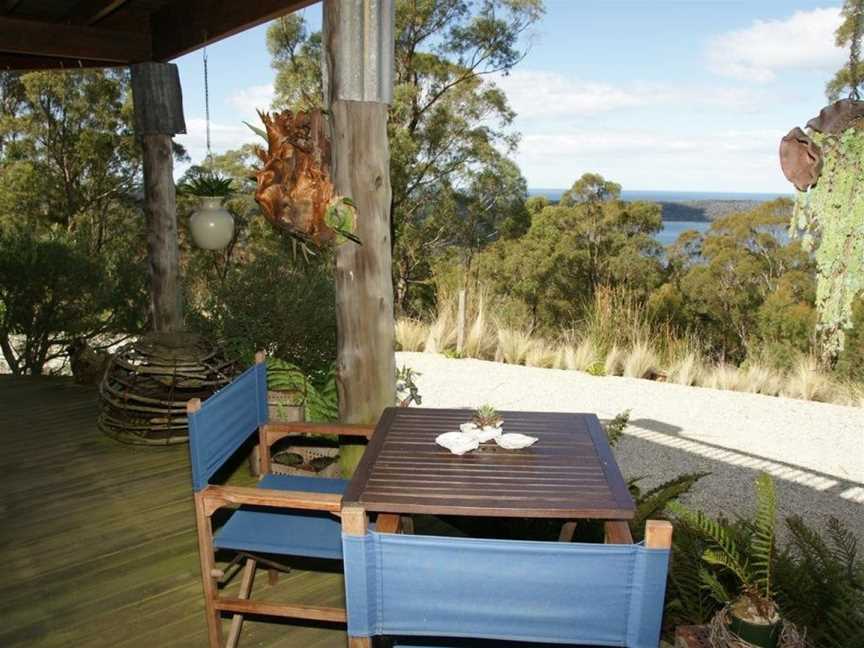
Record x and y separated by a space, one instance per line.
212 498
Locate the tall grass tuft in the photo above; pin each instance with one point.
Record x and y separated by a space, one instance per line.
687 370
480 338
641 361
613 365
722 376
514 345
411 334
541 355
808 381
442 331
760 379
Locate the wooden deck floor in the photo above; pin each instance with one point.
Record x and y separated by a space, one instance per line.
97 539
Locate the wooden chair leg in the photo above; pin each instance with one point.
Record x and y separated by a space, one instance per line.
208 567
272 576
245 592
568 530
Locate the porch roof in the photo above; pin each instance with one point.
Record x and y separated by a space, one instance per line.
60 34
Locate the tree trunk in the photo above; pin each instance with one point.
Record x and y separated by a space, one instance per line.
158 103
366 364
163 250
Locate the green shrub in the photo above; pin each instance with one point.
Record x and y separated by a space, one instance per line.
54 290
277 303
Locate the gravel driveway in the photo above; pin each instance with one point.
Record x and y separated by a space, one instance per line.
815 451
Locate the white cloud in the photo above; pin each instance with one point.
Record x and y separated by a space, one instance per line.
805 40
540 95
248 100
728 160
222 137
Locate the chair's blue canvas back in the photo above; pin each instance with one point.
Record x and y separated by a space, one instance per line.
225 421
546 592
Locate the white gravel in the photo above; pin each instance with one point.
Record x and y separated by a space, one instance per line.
814 450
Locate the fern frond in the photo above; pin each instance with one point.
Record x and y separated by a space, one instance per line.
653 502
845 544
718 534
723 559
714 587
762 545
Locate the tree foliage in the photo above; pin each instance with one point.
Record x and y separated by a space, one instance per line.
572 249
70 221
743 286
449 124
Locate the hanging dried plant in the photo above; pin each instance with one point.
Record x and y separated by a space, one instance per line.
294 190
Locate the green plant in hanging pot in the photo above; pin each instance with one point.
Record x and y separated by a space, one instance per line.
752 613
212 225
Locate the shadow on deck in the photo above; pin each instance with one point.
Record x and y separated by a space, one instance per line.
100 537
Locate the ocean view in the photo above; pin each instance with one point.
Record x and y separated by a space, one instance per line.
683 210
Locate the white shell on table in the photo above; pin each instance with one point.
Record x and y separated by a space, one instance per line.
483 434
515 441
457 442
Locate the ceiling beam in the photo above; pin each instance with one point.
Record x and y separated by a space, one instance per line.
90 12
72 41
25 62
8 6
181 27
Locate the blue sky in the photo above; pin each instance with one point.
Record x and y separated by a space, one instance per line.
684 95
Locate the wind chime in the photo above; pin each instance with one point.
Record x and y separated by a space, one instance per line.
825 163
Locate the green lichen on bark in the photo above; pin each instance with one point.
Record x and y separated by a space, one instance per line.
829 218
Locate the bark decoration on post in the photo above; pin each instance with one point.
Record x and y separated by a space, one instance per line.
158 103
358 86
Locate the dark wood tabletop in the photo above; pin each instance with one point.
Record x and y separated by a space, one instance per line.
569 472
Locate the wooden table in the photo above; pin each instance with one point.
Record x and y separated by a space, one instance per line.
569 473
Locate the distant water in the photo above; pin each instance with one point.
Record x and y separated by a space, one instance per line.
673 228
671 196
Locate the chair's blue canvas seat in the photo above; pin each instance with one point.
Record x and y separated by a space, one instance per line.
312 534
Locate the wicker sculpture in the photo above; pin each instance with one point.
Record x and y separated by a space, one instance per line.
144 391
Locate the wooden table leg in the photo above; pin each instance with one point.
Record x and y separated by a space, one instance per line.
355 522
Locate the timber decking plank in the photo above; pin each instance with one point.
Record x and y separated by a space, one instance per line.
99 537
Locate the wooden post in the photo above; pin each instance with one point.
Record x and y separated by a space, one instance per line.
357 67
158 116
460 324
658 534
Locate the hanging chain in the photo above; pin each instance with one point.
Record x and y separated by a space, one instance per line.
855 49
207 108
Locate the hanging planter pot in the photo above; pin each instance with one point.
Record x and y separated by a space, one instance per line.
211 226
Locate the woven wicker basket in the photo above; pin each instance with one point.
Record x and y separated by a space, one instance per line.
309 452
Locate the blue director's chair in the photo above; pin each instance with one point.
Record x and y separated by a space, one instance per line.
458 592
288 515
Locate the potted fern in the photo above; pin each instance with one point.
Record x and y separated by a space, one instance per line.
753 615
